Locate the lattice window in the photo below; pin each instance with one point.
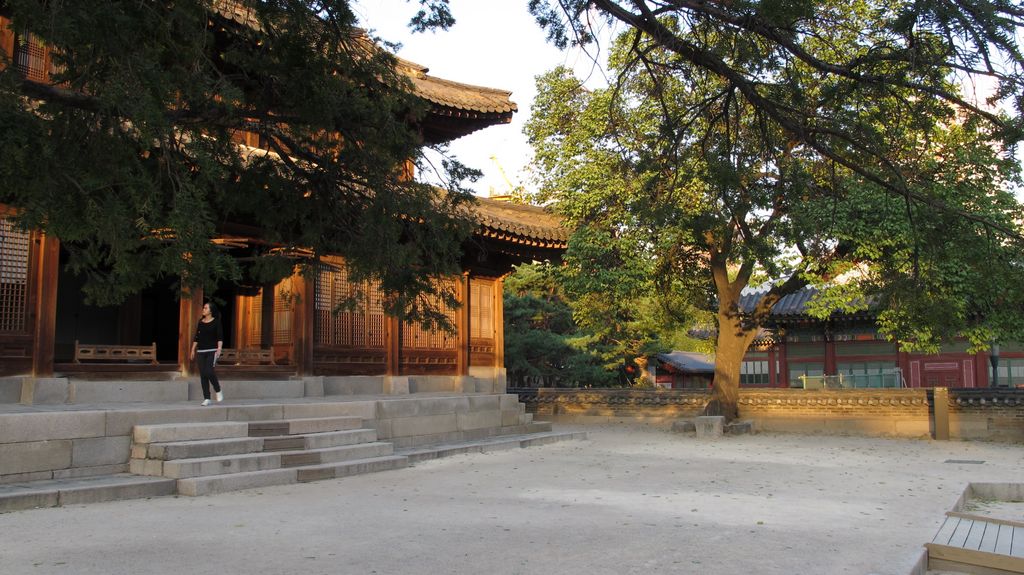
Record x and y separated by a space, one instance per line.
362 327
481 310
415 337
255 319
283 312
14 254
30 57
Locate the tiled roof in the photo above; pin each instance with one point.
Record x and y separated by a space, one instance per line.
478 101
456 95
523 224
792 305
688 361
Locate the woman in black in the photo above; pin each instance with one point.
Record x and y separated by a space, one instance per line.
208 343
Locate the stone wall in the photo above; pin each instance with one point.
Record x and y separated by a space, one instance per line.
982 414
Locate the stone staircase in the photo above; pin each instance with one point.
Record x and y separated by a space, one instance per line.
206 458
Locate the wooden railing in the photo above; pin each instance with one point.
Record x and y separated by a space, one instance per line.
104 352
246 356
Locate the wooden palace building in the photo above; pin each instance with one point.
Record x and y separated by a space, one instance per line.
47 329
846 350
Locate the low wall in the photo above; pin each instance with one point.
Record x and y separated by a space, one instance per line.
981 414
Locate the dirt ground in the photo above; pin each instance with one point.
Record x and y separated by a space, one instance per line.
630 499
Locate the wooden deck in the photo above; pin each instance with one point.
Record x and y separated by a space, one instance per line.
978 545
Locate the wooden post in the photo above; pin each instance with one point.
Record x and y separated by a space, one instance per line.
303 318
462 328
940 399
45 325
393 345
499 322
190 308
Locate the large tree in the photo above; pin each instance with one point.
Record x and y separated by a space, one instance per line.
127 154
797 142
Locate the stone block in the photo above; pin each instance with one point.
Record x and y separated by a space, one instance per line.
10 389
510 401
77 472
355 385
28 500
117 489
244 463
35 456
710 426
684 426
151 467
478 419
424 425
433 384
253 412
189 431
23 477
413 407
92 451
395 385
351 437
484 402
362 409
45 391
90 391
209 448
511 418
22 427
195 486
313 386
121 422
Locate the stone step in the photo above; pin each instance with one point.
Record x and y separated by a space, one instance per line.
197 448
348 468
53 493
170 432
194 486
302 426
336 454
501 443
319 440
204 466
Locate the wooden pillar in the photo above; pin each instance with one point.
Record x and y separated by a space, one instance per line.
462 326
267 316
830 357
499 322
303 323
45 324
190 309
393 345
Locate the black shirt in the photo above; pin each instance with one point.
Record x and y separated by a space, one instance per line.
208 334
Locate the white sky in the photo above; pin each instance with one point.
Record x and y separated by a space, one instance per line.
493 44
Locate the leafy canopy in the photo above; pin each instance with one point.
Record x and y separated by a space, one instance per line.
128 156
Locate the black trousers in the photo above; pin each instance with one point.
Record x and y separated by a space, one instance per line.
207 374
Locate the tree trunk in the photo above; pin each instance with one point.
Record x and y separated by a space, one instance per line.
733 341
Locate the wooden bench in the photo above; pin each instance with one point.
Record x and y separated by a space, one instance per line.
246 356
974 544
105 352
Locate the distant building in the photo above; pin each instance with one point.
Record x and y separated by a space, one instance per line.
846 350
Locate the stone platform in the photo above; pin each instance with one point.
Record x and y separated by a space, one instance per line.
57 453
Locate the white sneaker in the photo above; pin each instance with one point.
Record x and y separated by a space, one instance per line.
205 402
219 397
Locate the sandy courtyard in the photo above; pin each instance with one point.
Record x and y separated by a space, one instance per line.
630 499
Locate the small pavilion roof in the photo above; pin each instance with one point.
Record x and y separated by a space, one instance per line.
688 361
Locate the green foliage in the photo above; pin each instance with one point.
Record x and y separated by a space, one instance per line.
130 160
543 346
807 143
